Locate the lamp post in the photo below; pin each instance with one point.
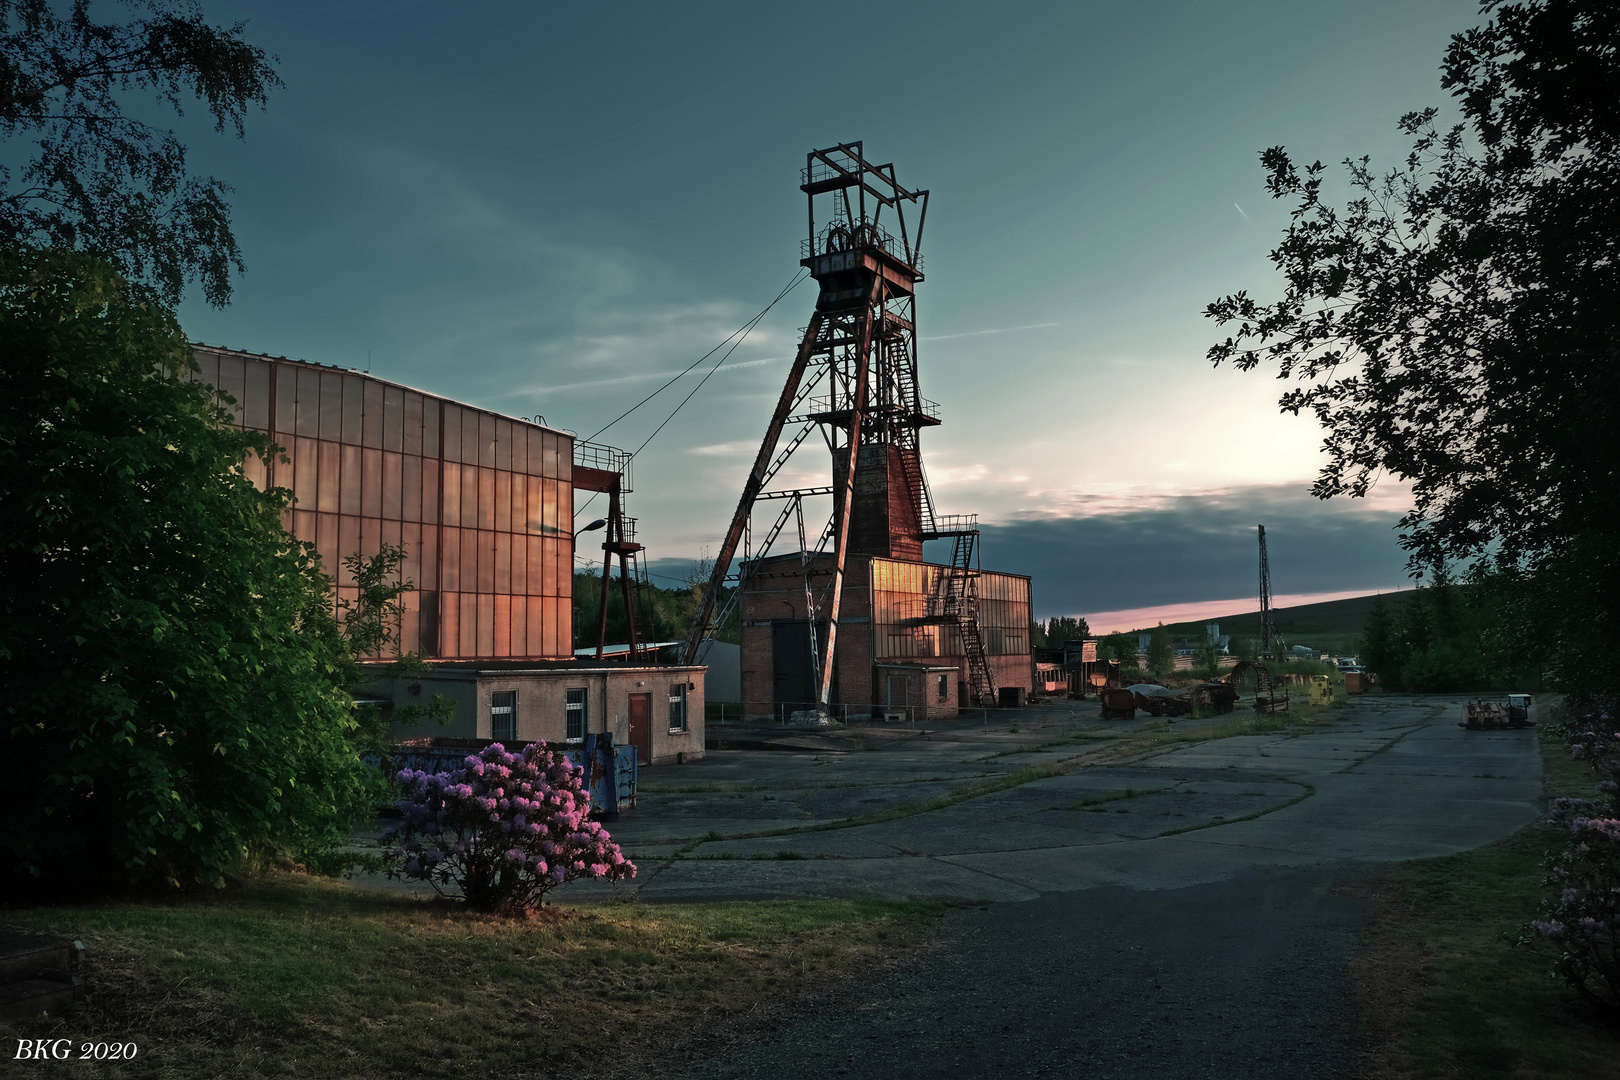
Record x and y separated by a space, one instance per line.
592 527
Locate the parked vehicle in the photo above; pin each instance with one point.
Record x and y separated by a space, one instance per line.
1493 715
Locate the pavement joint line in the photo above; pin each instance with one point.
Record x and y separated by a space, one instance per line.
1060 768
1310 790
1435 711
944 860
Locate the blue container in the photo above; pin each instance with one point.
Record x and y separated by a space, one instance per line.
610 771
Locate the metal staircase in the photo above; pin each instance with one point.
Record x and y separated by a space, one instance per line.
910 407
955 600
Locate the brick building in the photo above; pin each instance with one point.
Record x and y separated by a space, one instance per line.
892 657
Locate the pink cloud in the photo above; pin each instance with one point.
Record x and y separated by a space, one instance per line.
1108 622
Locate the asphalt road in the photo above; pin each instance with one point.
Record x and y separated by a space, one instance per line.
1168 916
1235 980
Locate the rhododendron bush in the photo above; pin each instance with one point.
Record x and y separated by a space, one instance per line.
502 830
1580 924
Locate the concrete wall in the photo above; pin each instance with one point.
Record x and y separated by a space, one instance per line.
542 700
723 679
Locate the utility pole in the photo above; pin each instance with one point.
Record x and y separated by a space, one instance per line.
1268 627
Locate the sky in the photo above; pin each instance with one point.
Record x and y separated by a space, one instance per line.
549 209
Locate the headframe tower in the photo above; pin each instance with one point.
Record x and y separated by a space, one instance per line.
854 379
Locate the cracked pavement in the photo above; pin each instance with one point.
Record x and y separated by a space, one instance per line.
1383 779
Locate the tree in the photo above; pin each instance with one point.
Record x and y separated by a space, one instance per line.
1380 644
1118 646
175 675
1061 628
104 182
1455 323
372 627
1161 656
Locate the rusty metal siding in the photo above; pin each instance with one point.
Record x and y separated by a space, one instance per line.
481 525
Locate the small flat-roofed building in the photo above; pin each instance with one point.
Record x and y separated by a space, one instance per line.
658 709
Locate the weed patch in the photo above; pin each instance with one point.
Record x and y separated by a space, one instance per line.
295 977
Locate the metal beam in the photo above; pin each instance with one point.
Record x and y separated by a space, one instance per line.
756 480
795 493
841 551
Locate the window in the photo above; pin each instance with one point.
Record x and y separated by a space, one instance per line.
677 707
576 715
944 687
503 716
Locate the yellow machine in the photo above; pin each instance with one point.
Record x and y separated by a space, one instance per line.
1321 690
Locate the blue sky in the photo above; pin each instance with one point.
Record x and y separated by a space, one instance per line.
550 208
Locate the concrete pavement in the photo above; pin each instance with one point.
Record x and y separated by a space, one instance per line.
1384 779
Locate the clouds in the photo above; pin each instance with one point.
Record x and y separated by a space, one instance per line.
1185 548
556 208
1188 549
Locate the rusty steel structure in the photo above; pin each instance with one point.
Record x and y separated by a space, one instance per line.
854 381
606 470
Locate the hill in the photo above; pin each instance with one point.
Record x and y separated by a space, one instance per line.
1330 625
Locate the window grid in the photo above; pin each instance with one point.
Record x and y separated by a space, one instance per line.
677 707
576 714
503 716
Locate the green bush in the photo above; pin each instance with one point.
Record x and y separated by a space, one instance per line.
174 672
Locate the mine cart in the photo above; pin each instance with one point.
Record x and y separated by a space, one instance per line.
1118 704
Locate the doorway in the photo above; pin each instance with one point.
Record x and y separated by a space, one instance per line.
795 681
641 727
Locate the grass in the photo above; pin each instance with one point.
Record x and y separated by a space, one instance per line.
1441 991
291 976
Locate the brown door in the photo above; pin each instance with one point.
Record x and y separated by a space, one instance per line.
641 726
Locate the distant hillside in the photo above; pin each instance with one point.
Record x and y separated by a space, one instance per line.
1328 625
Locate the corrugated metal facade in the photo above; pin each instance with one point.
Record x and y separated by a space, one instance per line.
900 592
482 503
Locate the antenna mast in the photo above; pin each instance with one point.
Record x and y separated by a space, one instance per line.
1268 628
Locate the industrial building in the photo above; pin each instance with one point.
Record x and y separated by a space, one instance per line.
892 660
850 620
483 506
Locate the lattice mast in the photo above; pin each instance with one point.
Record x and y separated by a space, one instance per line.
860 352
1268 627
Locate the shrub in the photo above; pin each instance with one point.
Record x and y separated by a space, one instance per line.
502 829
1579 926
174 678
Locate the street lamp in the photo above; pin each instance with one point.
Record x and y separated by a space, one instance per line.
592 527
